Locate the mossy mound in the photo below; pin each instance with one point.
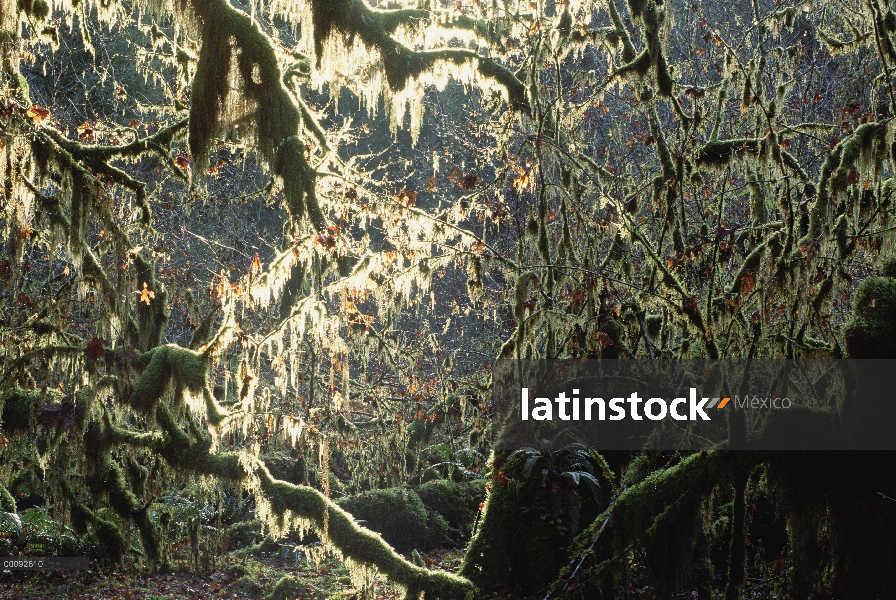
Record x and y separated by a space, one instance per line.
399 515
245 534
19 410
110 543
286 468
291 588
458 503
871 332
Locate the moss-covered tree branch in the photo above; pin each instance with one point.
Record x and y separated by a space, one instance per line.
355 18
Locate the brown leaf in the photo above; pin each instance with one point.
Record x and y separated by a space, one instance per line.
406 197
468 181
37 113
747 282
94 349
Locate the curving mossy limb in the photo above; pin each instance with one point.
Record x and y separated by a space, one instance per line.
359 544
163 363
644 512
189 452
533 510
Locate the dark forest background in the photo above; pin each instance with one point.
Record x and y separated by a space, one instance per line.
259 260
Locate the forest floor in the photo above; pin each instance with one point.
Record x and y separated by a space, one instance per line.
241 577
250 577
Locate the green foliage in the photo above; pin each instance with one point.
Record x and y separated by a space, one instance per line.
871 331
33 533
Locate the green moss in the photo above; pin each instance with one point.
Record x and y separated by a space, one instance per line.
457 502
872 330
7 502
186 367
637 470
83 401
19 412
358 543
398 515
96 442
81 515
238 570
531 516
40 10
242 535
889 268
646 515
211 85
111 544
293 588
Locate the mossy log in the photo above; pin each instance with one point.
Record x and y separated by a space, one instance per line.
358 543
189 452
645 512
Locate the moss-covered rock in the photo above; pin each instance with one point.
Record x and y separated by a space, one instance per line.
242 535
286 468
293 588
872 331
399 515
457 502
